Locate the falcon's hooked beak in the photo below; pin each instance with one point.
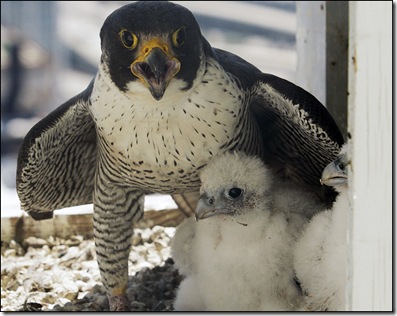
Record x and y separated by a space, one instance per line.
333 174
155 66
207 206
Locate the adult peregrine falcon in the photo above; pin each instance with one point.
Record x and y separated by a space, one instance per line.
161 105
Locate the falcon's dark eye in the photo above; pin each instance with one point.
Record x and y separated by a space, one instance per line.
234 193
178 38
128 39
340 165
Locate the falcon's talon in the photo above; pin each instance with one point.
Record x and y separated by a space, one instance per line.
118 303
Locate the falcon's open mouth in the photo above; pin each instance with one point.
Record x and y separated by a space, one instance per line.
156 67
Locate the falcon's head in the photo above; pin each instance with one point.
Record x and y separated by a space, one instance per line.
233 184
156 44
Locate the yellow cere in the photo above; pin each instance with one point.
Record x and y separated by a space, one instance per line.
154 42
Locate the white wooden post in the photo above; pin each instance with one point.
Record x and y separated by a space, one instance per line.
310 45
369 286
370 176
321 42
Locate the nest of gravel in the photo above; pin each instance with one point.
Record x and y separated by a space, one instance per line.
62 274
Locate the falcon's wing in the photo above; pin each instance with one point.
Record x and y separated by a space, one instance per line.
57 159
299 135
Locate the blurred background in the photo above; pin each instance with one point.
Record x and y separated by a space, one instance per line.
50 51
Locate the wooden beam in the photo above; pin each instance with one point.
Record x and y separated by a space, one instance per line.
64 226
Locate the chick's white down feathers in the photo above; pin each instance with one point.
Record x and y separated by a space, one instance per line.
243 260
236 169
320 256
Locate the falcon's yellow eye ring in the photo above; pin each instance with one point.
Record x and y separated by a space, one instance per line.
129 39
178 38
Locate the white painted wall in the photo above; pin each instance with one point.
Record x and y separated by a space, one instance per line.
370 176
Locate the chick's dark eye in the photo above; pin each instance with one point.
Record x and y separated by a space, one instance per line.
234 193
339 164
178 38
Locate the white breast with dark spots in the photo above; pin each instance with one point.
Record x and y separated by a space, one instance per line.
161 145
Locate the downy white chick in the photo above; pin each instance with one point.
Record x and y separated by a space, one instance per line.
321 255
239 254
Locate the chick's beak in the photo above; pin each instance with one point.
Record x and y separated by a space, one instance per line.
332 176
208 206
155 66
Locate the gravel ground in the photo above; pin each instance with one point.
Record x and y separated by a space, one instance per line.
62 275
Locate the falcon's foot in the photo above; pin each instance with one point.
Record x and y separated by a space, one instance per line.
118 303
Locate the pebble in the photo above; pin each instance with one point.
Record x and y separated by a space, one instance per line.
62 274
34 242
